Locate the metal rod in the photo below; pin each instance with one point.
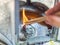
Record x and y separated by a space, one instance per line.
56 1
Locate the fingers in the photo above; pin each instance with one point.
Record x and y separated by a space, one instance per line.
51 18
53 10
53 21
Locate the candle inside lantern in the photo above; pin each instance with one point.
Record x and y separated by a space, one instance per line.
25 19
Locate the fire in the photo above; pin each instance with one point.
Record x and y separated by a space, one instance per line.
25 19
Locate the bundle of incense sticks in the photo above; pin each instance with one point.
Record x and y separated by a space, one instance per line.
40 19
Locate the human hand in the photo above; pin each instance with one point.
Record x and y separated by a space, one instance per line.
51 18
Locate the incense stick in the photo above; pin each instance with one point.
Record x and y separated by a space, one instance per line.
40 19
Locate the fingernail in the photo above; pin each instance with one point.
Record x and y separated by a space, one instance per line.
47 22
45 12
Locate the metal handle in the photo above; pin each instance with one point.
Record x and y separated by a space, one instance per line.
28 2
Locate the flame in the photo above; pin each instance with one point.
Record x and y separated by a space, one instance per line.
25 19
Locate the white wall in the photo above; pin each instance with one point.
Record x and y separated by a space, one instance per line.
7 20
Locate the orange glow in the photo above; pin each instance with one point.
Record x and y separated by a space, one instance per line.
25 19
